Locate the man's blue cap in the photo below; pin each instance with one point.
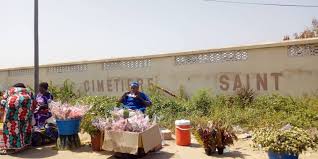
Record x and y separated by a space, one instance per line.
134 84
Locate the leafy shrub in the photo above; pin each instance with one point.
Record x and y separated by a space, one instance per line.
86 124
101 107
201 103
293 140
245 96
166 109
65 93
267 110
182 93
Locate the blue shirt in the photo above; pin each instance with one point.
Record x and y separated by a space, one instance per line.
136 104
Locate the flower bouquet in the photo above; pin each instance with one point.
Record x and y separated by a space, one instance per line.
67 112
123 120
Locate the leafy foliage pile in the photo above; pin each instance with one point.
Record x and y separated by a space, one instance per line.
293 141
65 93
101 106
243 109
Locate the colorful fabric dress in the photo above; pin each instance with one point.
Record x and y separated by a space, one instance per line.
42 111
43 132
17 126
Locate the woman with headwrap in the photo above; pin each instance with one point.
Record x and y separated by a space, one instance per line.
17 126
43 98
134 99
43 132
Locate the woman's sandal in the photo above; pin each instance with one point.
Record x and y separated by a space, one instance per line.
7 152
12 151
3 152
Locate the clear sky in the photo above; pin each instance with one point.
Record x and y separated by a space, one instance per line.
72 30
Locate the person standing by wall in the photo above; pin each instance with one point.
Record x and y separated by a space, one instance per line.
17 126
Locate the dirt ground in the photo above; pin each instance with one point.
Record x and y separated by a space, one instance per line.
241 149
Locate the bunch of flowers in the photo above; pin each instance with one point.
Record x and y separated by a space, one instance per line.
123 120
66 111
102 123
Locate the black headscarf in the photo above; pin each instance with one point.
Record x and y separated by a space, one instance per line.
20 85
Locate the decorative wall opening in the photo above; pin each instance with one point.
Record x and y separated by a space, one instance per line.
131 64
68 68
302 50
214 57
22 72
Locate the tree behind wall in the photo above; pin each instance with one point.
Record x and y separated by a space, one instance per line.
310 32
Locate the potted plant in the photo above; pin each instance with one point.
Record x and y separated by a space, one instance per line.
286 143
96 135
214 136
101 106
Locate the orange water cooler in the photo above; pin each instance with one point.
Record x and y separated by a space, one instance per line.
183 134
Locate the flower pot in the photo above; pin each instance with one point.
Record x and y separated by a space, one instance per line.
208 151
276 155
96 141
220 150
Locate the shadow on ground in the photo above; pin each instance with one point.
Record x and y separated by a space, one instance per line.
194 145
36 153
232 154
88 149
153 155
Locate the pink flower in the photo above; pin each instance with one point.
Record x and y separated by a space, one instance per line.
66 111
136 122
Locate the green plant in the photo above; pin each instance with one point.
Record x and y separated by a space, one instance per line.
182 93
292 140
245 96
86 124
65 93
201 103
101 107
266 110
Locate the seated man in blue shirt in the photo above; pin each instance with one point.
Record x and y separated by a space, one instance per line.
134 99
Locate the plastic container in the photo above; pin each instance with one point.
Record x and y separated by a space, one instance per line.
183 135
275 155
68 127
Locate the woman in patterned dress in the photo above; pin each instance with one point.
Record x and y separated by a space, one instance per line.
43 132
17 126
